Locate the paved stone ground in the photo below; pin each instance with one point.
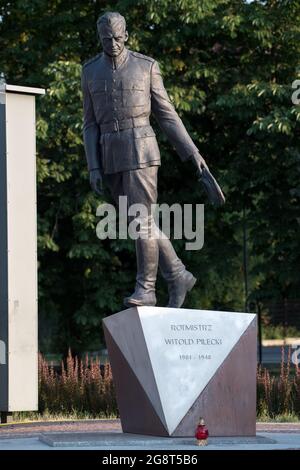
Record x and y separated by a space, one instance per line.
34 429
107 435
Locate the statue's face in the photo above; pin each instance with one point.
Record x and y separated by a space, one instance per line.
113 38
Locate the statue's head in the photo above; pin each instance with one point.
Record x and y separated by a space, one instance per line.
112 33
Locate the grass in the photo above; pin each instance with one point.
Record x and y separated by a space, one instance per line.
36 416
284 418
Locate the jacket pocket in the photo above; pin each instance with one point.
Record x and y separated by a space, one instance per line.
133 92
146 146
98 90
97 86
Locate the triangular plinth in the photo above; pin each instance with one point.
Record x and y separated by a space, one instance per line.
174 356
135 408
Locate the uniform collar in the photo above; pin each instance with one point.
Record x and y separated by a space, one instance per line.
116 62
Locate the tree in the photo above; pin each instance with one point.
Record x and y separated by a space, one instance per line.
228 66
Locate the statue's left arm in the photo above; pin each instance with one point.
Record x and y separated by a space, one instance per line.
170 122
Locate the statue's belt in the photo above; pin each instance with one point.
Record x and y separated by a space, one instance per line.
116 126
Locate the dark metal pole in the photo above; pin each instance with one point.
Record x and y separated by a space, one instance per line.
259 333
245 258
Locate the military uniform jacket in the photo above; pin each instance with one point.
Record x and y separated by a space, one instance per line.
119 95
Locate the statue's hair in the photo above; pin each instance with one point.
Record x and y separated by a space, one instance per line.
108 17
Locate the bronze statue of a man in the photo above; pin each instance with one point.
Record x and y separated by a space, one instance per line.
120 90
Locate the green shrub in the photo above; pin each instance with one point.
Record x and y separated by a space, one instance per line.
83 387
278 395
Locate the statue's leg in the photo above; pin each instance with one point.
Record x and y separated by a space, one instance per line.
170 264
179 280
140 186
147 262
113 187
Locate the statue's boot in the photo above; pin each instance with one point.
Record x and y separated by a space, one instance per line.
147 264
179 280
179 287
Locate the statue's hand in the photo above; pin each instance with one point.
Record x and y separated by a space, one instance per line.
96 181
199 162
213 190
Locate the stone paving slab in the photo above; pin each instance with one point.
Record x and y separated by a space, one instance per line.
271 441
133 440
32 429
